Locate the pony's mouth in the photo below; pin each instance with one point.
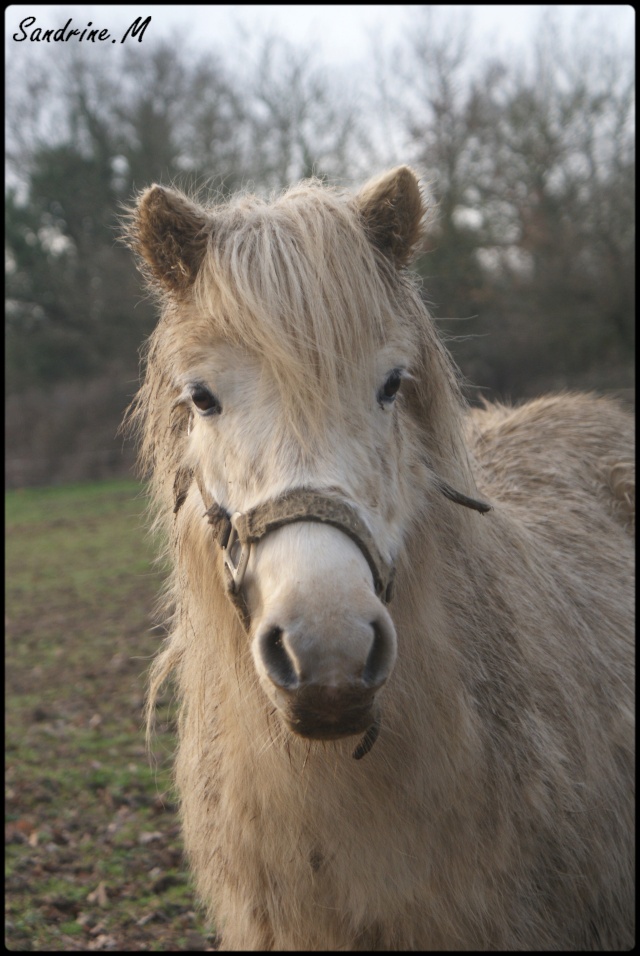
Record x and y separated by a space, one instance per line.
318 721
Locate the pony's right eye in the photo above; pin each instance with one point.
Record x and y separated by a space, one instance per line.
387 393
205 401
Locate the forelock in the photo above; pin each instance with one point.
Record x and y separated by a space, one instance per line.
297 281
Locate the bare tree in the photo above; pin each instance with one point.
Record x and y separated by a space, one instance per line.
299 123
532 169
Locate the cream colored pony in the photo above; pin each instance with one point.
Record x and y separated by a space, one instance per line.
341 589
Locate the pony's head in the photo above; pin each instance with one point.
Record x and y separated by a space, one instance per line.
287 358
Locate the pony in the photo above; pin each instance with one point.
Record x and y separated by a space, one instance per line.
401 630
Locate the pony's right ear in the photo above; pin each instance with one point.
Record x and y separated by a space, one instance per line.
393 212
170 235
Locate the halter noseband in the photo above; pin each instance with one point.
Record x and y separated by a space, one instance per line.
236 533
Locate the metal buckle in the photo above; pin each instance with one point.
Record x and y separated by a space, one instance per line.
236 555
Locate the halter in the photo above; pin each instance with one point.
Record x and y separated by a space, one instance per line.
236 533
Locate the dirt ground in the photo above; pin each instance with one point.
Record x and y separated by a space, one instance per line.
93 851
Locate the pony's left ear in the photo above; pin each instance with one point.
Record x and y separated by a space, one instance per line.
392 209
170 235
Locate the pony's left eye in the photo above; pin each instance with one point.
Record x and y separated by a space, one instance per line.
387 393
205 401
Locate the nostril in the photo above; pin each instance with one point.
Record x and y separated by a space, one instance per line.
276 658
377 666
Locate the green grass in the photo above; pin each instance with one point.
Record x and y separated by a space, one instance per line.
90 544
93 856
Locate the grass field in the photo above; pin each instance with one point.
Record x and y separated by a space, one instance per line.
93 852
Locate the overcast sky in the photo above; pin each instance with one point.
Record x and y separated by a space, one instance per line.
341 35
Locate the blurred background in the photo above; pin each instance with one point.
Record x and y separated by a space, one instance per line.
521 120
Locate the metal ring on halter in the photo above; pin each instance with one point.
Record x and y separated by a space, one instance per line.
236 554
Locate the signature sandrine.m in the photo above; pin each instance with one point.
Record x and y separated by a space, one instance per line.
67 32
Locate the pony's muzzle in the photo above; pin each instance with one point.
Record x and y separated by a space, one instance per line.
326 689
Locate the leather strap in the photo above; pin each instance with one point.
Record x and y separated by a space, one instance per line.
299 504
325 507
